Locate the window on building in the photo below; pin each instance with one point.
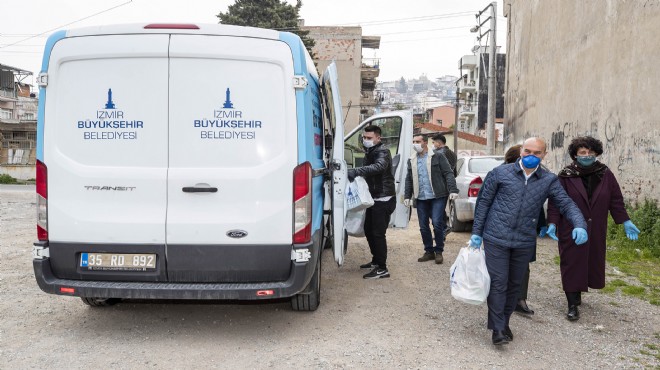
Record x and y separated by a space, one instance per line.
439 122
28 116
6 113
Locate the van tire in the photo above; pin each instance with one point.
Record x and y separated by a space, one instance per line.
310 299
99 302
454 223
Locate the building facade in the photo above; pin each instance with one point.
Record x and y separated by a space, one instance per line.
473 87
588 68
357 76
18 124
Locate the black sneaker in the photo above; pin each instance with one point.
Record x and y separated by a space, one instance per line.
377 273
369 265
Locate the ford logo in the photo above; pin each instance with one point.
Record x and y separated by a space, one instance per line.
237 234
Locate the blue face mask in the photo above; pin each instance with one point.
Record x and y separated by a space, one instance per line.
586 161
531 161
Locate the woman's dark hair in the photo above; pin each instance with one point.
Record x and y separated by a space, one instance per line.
512 154
585 142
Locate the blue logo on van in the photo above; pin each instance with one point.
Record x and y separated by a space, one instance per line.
234 123
228 104
110 123
109 104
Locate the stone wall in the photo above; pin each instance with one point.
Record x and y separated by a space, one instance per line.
588 67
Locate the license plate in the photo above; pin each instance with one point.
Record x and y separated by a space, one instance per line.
117 261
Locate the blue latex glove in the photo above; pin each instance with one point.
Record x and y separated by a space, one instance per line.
475 241
552 232
580 235
543 231
632 232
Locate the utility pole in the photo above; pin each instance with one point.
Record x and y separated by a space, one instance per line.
492 82
492 73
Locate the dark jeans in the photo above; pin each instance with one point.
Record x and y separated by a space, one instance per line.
433 209
376 221
524 285
506 267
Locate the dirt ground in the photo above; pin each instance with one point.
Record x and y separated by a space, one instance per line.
408 321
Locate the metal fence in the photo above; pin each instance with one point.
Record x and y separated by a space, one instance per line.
18 148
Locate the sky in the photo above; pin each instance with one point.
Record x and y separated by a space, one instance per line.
417 36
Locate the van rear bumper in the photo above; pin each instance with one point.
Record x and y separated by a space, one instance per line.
301 274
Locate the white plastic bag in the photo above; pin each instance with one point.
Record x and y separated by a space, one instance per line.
357 195
354 223
468 276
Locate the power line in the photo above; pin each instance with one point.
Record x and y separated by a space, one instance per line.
70 23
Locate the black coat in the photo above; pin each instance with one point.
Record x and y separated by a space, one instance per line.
377 171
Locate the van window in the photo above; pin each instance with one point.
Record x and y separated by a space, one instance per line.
391 132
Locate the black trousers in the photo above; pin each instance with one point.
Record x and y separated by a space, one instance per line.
506 267
376 221
524 285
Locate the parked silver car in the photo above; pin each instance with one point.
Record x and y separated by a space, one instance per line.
470 173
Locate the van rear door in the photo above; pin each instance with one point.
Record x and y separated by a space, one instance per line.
232 151
105 142
338 180
397 129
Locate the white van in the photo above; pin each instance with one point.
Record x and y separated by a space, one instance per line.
181 161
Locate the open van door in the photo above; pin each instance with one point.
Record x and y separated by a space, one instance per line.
336 164
397 133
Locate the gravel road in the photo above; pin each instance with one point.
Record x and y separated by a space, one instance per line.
408 321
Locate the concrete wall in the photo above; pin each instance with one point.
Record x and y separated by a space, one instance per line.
19 172
344 46
588 67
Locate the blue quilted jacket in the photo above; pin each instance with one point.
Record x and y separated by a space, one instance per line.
508 207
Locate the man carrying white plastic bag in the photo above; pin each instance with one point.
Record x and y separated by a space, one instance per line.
468 276
505 219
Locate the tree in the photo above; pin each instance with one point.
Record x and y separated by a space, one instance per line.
272 14
399 106
403 86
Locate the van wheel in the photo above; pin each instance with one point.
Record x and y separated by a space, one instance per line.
99 302
454 223
310 299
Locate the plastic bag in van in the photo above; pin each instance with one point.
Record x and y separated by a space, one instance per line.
358 196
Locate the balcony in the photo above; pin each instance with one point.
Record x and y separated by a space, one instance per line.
370 68
467 86
468 62
466 110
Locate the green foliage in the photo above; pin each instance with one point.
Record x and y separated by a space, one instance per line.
272 14
402 86
6 179
647 218
640 258
399 106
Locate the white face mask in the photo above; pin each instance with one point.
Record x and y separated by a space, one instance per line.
418 148
368 143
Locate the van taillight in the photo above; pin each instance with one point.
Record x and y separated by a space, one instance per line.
475 185
42 201
302 203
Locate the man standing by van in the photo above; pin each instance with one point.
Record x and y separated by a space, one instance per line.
429 182
377 171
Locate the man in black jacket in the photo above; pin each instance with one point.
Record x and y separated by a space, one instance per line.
377 171
439 146
429 183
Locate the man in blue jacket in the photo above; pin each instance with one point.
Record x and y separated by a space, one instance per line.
505 220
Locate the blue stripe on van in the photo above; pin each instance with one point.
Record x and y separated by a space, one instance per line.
305 126
54 38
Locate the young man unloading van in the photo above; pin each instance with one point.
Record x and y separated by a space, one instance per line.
377 171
